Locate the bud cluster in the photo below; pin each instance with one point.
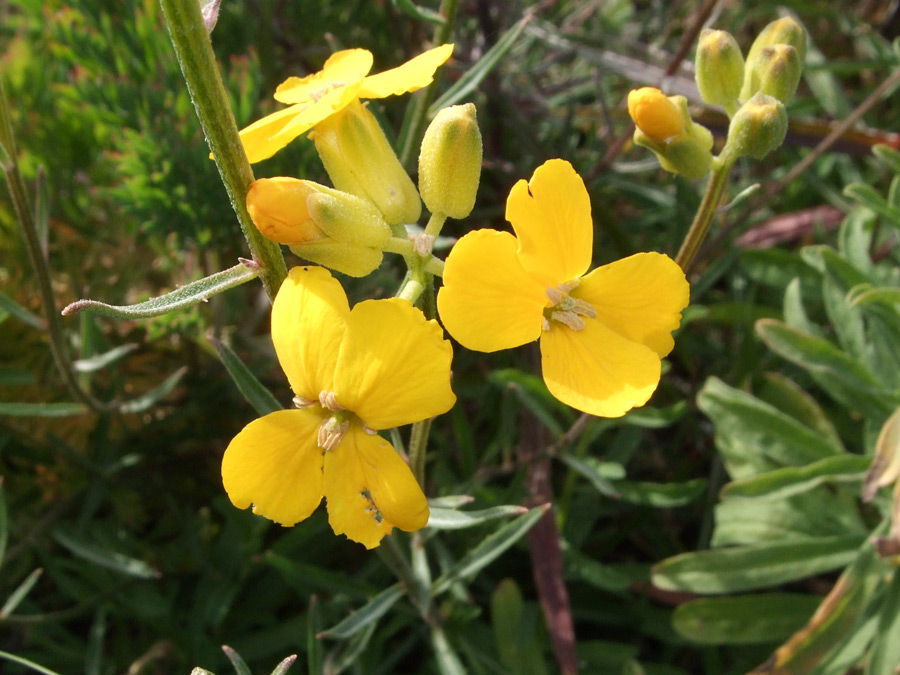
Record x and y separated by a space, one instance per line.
753 91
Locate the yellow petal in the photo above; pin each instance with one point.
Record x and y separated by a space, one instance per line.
278 208
265 137
488 302
551 216
416 73
308 322
596 370
342 69
390 481
394 365
639 297
654 113
347 496
275 464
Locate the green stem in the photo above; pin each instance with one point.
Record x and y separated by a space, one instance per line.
423 99
418 444
435 223
25 216
704 217
204 82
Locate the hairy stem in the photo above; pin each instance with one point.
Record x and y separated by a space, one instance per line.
704 217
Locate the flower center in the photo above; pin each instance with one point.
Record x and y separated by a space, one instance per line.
334 426
317 94
565 309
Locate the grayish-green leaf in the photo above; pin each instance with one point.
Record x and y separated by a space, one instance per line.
15 309
491 548
886 650
447 660
285 665
365 615
42 409
594 471
28 664
99 361
745 568
186 296
660 495
790 481
872 199
745 619
22 590
142 403
4 523
419 13
452 519
888 156
238 663
111 560
450 501
252 389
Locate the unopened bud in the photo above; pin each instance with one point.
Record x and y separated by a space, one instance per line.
323 225
210 12
784 31
655 114
359 160
757 128
720 67
777 71
450 162
688 151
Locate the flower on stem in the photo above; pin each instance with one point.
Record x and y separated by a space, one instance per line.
323 225
602 335
344 78
354 372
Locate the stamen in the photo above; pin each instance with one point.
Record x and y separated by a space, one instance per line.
570 319
369 430
331 433
301 402
328 400
554 295
584 308
545 325
319 93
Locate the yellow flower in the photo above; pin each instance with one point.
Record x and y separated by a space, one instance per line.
344 79
602 335
655 114
378 366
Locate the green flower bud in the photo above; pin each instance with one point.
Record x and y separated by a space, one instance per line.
359 160
664 125
777 71
720 67
785 31
450 162
757 128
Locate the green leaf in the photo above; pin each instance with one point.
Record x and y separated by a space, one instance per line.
867 294
4 523
447 660
450 501
419 13
365 615
888 156
886 649
745 619
142 403
42 409
252 389
25 662
598 575
186 296
239 665
789 481
754 437
451 519
22 590
473 77
99 361
660 495
93 660
110 560
744 568
787 396
841 376
491 548
15 376
348 654
532 394
22 314
285 665
42 210
869 197
600 474
314 647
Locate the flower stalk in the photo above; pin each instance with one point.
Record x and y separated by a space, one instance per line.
193 49
703 219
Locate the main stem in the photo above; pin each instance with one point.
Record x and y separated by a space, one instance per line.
704 217
201 73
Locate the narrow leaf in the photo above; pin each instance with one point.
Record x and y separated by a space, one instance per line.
872 199
314 647
4 523
42 210
886 650
747 619
111 560
450 501
239 665
743 568
789 481
661 495
100 361
22 314
866 293
447 660
473 77
491 548
42 409
29 664
20 593
420 13
451 519
285 665
595 472
369 613
252 389
142 403
889 156
187 295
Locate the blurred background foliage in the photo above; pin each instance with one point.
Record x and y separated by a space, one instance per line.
145 567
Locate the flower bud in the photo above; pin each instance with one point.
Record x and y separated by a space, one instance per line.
757 128
450 162
720 67
776 72
323 225
784 31
664 126
359 160
655 114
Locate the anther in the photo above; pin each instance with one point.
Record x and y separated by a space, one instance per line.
301 402
328 400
